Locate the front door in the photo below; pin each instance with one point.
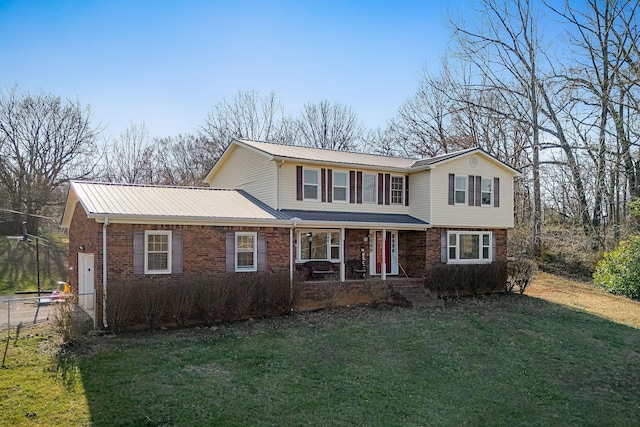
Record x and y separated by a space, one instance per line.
390 252
85 281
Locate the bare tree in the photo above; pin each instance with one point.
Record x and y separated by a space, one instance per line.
44 141
131 158
184 159
329 125
246 115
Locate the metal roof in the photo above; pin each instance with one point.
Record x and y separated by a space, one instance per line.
356 218
169 202
318 155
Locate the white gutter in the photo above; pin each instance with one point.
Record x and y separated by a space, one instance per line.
104 271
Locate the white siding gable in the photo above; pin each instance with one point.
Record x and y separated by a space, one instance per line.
465 216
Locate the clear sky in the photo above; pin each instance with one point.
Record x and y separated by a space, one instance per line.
167 63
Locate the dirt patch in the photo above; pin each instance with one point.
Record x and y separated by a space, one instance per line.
585 297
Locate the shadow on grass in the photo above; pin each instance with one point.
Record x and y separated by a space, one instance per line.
498 360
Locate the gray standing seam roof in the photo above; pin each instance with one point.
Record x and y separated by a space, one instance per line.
356 217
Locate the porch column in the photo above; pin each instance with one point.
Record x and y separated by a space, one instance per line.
344 250
384 254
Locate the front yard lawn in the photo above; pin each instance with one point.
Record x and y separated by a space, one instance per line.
499 360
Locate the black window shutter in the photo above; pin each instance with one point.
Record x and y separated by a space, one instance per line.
352 186
359 187
380 189
138 252
329 185
494 248
471 191
478 191
323 186
406 190
387 189
262 252
176 251
298 182
231 252
452 189
496 192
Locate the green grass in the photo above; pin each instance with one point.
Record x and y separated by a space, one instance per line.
18 266
502 360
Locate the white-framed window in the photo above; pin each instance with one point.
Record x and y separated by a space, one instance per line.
319 245
157 252
486 191
246 251
397 190
461 190
469 247
340 186
310 184
369 188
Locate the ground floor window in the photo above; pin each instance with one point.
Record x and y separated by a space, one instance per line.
319 245
468 247
157 253
246 250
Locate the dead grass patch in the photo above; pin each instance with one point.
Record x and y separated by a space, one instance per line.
585 297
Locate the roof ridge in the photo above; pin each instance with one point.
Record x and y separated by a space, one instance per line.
128 184
325 149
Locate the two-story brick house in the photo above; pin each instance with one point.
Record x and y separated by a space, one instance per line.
273 207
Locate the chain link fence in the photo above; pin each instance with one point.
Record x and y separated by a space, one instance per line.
28 311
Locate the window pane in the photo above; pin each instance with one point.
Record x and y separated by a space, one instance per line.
469 246
157 242
340 179
157 261
245 243
452 253
486 191
369 188
461 183
319 246
335 252
310 176
310 191
485 240
245 259
485 253
340 194
452 239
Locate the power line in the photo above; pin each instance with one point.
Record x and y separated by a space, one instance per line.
27 214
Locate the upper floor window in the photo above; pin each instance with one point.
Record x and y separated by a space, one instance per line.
397 190
369 188
486 192
157 252
340 186
461 189
310 184
468 247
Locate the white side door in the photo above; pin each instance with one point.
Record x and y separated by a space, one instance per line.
85 281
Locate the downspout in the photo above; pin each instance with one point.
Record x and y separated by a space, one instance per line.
279 166
292 254
104 271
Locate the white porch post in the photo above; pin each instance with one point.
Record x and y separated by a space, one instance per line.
383 249
344 254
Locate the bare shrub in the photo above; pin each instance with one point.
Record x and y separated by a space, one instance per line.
151 302
120 306
181 298
68 321
212 298
242 295
519 273
467 279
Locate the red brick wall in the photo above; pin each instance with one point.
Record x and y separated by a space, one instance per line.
412 247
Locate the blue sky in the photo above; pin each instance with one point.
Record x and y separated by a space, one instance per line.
167 63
